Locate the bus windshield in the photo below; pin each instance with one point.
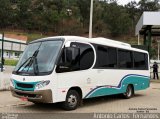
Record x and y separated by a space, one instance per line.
38 58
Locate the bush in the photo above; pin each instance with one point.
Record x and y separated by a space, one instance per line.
11 62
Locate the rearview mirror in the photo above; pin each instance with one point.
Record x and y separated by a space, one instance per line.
69 60
71 53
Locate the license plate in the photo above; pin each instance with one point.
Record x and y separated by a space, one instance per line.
24 99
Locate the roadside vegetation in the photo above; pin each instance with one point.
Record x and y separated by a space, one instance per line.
41 18
10 62
71 17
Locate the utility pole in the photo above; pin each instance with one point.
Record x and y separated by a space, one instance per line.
138 39
158 50
91 20
2 59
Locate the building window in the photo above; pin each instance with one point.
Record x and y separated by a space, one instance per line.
7 53
16 54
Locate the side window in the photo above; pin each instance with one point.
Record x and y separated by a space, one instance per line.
125 59
112 56
83 60
140 61
86 57
106 57
102 57
146 61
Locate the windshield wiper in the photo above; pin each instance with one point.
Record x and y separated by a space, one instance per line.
35 66
31 60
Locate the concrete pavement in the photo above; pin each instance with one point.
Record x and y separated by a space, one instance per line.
5 77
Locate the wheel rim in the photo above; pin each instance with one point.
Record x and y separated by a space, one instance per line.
72 100
129 92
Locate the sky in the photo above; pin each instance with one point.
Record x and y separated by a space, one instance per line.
123 2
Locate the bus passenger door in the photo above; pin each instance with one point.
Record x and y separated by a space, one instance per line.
74 68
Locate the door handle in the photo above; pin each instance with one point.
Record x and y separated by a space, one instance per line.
88 81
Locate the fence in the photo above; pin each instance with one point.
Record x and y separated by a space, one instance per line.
5 78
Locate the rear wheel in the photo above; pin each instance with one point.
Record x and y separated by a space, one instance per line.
129 92
72 100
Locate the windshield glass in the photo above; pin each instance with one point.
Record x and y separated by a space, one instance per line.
41 55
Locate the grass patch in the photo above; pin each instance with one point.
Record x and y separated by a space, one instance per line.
10 62
31 36
34 36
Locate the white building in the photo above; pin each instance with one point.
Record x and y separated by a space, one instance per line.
13 48
149 19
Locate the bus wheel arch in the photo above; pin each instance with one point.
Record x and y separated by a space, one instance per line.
78 89
73 99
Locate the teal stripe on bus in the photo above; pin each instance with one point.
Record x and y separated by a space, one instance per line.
139 82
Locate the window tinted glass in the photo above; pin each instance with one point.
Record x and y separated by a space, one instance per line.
86 55
83 61
106 57
102 57
140 61
125 59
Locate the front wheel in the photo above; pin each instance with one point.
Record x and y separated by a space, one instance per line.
72 100
129 92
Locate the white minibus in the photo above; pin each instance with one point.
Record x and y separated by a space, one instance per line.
69 69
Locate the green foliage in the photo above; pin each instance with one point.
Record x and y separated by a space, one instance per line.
149 5
118 20
84 8
134 14
10 62
5 13
71 17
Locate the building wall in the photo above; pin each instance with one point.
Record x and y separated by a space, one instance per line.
13 48
11 54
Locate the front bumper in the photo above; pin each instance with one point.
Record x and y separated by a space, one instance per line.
42 96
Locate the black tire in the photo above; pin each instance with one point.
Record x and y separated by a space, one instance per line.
38 103
129 92
72 100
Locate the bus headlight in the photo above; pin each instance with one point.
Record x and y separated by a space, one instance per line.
42 84
12 83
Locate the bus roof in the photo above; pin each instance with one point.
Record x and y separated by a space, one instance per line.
98 40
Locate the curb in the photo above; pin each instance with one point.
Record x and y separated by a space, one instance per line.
155 81
7 89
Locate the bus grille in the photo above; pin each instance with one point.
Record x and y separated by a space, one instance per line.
21 85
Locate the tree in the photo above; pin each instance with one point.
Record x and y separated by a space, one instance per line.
84 8
23 10
118 20
99 26
145 5
5 13
132 10
72 16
